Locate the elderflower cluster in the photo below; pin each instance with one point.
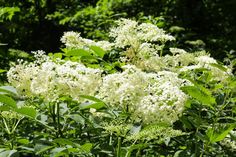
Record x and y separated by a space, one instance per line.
229 142
164 101
153 97
130 33
157 132
10 115
74 40
140 42
155 63
204 61
123 90
52 79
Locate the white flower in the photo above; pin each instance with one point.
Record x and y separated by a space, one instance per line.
175 51
203 61
104 45
125 34
50 79
149 32
149 96
74 40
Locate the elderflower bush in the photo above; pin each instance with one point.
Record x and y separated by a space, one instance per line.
148 87
141 101
52 79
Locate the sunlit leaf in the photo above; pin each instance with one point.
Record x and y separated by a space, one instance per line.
200 95
8 101
27 111
98 51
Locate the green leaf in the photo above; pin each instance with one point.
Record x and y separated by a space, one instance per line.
23 141
219 67
27 111
5 108
219 133
9 153
2 71
91 98
77 52
89 58
77 118
98 51
8 101
63 141
202 95
8 89
97 105
58 151
134 147
177 153
39 148
8 12
87 147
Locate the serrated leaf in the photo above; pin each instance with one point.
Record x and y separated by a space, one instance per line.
87 147
98 51
219 133
8 101
200 94
27 111
39 148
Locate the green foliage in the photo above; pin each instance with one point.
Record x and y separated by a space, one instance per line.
6 13
87 126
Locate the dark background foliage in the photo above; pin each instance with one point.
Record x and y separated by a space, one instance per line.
40 23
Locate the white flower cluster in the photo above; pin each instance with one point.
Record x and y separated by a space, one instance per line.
123 90
179 58
153 97
229 142
157 132
50 80
204 61
10 115
130 33
74 40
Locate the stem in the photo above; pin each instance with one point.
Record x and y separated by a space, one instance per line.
161 52
6 126
50 128
110 140
58 120
138 153
14 128
12 138
128 153
118 147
